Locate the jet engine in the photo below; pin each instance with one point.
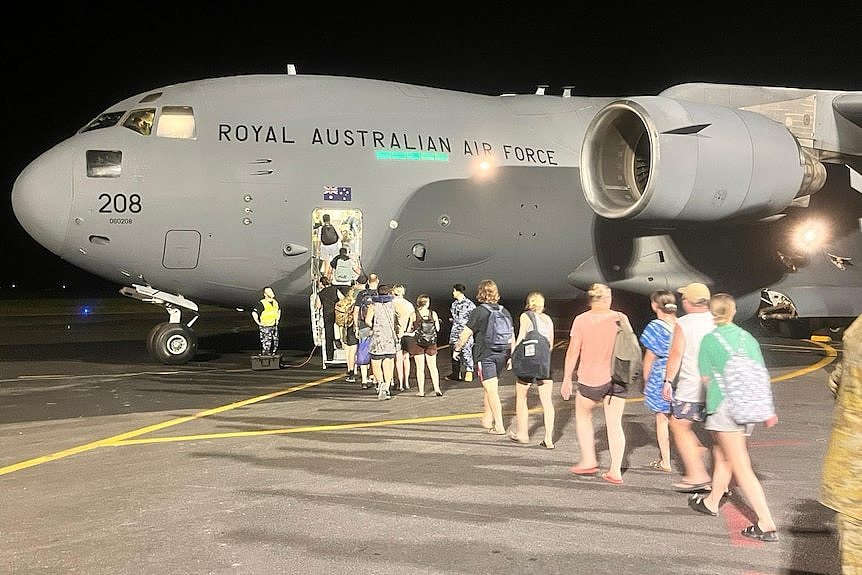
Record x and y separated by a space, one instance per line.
659 159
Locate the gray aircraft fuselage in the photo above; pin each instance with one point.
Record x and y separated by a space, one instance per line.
451 187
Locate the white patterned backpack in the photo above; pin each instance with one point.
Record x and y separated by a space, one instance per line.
746 386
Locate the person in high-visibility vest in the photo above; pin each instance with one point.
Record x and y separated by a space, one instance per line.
266 315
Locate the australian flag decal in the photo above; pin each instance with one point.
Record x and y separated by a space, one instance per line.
336 194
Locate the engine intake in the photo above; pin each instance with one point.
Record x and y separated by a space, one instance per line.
660 159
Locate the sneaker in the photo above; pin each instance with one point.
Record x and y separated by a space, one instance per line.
383 394
350 378
468 376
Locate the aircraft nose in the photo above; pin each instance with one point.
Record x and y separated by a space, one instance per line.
42 197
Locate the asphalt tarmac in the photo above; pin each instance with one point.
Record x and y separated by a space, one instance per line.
111 463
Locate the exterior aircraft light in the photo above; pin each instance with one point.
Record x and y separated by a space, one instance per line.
393 224
484 166
246 221
810 236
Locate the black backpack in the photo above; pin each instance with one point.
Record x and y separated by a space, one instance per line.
499 331
531 359
328 235
426 334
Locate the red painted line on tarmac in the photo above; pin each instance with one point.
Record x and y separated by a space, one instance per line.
735 522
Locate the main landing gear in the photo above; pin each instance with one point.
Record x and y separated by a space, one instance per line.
172 342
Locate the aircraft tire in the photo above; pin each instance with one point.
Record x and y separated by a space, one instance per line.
173 343
151 337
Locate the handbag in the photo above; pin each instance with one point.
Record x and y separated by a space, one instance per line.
627 358
363 352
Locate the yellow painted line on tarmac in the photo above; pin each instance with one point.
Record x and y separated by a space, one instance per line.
116 439
309 428
831 355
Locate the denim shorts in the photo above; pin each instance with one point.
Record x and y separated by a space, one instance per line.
688 410
492 366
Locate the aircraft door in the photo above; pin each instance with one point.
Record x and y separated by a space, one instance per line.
331 230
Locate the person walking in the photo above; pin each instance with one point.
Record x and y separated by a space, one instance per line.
491 324
688 399
535 318
423 347
655 340
381 318
403 312
591 347
460 310
364 299
731 458
266 314
841 488
327 296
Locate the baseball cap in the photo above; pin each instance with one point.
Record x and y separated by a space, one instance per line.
694 292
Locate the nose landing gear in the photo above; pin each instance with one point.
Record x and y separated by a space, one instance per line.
172 342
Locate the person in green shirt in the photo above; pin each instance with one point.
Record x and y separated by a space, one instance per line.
731 458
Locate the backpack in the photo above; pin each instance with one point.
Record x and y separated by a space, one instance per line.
627 359
499 331
343 273
531 359
746 386
364 299
328 235
426 334
344 309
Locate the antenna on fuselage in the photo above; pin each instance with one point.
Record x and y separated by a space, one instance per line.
291 70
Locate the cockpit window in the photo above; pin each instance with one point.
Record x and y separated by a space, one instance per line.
141 121
105 120
104 163
176 122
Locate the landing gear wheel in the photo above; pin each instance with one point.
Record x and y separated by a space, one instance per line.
172 343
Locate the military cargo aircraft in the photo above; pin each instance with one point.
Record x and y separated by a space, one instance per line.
207 191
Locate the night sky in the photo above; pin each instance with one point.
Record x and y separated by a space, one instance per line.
62 68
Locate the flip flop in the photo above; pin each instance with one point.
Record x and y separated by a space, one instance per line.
610 479
584 470
686 487
518 441
546 446
495 431
754 532
657 466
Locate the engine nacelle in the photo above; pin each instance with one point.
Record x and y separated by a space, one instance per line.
660 159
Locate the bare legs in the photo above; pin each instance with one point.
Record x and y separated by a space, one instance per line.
431 360
690 450
613 407
732 459
493 409
522 413
662 434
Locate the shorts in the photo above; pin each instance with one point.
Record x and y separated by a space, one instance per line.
720 420
416 349
406 341
493 365
538 382
382 356
688 410
598 393
348 336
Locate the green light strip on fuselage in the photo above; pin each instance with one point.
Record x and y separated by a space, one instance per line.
411 155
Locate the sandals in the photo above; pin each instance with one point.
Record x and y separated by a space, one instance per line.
546 445
495 431
584 470
657 466
611 479
696 503
755 532
687 487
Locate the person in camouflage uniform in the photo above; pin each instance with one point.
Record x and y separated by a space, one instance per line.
460 310
841 488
